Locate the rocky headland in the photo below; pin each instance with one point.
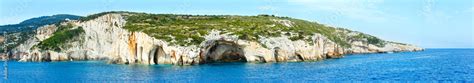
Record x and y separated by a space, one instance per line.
141 38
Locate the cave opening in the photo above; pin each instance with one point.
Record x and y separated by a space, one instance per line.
47 57
34 57
159 52
225 51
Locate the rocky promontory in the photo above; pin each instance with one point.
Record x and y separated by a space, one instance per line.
141 38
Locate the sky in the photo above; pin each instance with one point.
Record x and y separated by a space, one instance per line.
425 23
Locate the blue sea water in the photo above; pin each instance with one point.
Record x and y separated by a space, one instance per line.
431 65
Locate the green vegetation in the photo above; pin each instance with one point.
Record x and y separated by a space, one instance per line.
63 35
90 17
186 30
371 39
171 27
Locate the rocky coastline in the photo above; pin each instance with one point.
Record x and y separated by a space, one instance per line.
104 38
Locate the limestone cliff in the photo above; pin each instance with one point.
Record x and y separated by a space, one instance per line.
108 36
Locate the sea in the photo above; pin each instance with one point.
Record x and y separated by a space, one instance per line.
428 65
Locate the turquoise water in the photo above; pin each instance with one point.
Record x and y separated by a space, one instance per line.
431 64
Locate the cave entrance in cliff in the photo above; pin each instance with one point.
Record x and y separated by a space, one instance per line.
34 57
225 51
159 52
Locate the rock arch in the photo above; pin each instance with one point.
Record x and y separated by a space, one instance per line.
35 56
276 53
158 56
47 57
224 51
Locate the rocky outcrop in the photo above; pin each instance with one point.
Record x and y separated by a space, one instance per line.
105 39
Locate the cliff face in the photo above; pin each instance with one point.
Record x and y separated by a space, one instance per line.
104 38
